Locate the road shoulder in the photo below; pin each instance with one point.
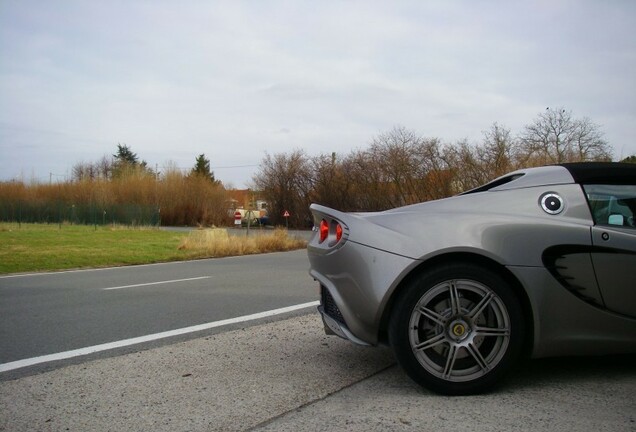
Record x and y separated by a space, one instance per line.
228 381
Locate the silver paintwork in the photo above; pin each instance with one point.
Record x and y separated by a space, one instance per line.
508 227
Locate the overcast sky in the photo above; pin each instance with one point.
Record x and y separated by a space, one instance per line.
236 79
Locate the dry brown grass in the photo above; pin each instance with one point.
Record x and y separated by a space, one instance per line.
218 243
180 199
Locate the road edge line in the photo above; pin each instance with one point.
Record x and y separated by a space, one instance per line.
19 364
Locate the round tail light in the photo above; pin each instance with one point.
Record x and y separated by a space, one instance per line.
324 230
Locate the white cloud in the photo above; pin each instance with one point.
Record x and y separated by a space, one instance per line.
233 79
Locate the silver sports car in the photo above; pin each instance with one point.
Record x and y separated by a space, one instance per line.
540 262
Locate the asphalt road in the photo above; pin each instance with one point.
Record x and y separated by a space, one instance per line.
281 373
41 314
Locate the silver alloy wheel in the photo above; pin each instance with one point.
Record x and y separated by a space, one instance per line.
459 330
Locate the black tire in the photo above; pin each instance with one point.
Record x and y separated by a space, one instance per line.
462 346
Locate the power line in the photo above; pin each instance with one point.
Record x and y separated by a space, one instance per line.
221 167
235 166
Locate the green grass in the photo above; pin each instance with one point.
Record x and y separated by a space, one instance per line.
41 247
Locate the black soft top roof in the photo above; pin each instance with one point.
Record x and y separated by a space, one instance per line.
613 173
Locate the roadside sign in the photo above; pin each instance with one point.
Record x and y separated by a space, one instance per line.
286 214
237 217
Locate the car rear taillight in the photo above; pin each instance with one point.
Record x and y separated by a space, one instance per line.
324 230
338 232
331 232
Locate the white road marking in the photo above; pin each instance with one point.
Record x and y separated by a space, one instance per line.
122 267
5 367
155 283
86 270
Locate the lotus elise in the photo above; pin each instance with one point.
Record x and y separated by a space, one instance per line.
540 262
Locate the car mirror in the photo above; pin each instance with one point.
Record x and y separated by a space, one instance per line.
616 219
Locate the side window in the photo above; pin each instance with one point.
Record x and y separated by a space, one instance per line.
612 204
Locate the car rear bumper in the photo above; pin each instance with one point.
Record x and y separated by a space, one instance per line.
358 280
337 328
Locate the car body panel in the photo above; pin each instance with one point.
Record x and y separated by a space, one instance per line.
614 259
360 295
566 325
552 256
486 221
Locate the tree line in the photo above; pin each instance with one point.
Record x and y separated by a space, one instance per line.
122 189
125 163
398 167
401 167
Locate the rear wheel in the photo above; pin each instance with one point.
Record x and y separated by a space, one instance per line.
457 329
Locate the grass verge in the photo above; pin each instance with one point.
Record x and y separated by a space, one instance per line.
218 243
41 247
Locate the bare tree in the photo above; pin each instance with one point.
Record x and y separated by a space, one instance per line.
102 169
331 182
395 154
434 173
498 153
81 171
589 143
369 189
285 181
477 164
466 166
556 137
401 167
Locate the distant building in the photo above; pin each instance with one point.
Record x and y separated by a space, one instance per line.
246 200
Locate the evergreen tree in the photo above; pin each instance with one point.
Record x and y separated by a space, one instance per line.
126 162
630 159
125 155
202 168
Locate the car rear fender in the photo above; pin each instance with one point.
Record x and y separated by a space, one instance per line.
457 257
